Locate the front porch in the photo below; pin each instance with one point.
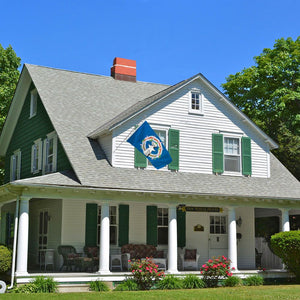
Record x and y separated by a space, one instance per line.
108 220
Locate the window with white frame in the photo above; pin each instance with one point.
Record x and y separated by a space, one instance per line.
15 165
196 102
33 103
113 217
218 224
50 153
232 154
162 134
36 156
162 226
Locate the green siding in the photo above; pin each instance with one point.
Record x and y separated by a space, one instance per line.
217 153
26 132
152 225
123 225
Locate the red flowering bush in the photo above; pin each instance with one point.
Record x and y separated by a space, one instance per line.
145 273
215 269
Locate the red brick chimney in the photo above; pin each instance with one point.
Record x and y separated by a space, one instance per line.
124 69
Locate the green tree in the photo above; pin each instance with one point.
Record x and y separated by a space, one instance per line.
269 93
9 74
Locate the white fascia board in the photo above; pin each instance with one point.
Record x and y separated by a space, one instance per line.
244 118
14 110
153 103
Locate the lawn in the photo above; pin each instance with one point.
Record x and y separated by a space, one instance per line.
261 292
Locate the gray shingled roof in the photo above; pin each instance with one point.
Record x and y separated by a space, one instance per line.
82 102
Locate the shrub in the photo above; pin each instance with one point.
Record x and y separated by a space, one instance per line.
5 259
170 282
192 282
286 245
99 286
215 269
45 285
254 280
29 288
145 273
127 285
233 281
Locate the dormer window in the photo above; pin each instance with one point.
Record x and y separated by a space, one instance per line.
196 102
33 103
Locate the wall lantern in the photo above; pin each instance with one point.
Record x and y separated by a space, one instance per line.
239 221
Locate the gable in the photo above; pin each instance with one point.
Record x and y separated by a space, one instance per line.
26 131
195 130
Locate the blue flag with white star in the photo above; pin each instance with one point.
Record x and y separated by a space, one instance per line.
149 144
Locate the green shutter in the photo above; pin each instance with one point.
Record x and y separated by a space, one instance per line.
91 224
246 156
123 225
152 225
217 153
181 235
140 161
174 149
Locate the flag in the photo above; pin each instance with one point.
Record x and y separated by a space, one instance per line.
149 144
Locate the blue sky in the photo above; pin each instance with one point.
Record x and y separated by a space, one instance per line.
170 40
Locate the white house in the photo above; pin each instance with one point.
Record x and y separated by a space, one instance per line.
73 179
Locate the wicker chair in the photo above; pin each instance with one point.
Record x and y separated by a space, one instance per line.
69 255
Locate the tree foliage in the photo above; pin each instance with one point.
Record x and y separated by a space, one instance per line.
269 93
9 74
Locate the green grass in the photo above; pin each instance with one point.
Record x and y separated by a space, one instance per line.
281 292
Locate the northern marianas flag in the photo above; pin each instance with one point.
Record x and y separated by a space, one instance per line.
149 144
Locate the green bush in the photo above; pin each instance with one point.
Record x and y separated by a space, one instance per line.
170 282
145 273
99 286
41 284
29 288
215 269
233 281
5 259
127 285
286 245
45 285
192 282
254 280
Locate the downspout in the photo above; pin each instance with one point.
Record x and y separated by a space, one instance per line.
15 241
15 244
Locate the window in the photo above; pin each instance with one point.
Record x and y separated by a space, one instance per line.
218 224
162 134
50 153
162 226
232 154
36 156
196 103
113 235
15 165
33 103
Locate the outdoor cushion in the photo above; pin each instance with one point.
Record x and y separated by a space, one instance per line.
190 254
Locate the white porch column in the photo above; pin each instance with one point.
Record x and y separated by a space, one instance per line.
22 248
104 240
172 241
232 245
285 221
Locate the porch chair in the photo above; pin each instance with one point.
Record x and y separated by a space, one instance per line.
190 259
69 255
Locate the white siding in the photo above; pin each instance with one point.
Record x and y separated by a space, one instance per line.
106 145
195 132
137 223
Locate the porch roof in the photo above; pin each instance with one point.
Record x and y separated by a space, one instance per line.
281 185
